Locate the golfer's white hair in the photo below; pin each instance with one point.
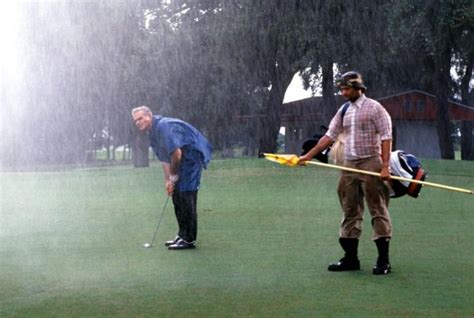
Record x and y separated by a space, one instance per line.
142 108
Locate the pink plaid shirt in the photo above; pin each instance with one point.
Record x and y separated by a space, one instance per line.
366 123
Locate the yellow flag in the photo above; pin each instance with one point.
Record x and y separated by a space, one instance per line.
287 160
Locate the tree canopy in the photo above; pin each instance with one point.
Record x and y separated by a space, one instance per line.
87 64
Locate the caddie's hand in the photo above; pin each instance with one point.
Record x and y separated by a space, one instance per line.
302 160
169 187
385 173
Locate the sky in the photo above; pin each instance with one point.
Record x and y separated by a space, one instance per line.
295 90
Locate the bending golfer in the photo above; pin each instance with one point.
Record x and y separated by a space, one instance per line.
183 151
368 131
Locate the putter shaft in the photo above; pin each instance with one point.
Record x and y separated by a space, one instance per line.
158 226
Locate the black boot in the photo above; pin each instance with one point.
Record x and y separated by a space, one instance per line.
349 262
382 267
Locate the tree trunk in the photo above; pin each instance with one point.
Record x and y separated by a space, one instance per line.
443 127
113 152
107 147
329 102
124 153
140 150
467 148
270 124
442 82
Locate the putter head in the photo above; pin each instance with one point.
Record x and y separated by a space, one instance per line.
147 245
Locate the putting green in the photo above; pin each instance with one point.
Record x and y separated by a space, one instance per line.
71 246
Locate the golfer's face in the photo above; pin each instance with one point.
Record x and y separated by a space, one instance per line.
142 120
350 93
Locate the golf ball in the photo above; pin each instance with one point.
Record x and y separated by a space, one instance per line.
146 245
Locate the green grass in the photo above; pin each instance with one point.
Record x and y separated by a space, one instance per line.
70 246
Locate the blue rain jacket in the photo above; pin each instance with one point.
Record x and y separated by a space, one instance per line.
167 135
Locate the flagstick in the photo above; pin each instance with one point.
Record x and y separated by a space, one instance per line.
431 184
292 160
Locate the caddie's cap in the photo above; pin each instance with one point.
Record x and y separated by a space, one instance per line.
351 79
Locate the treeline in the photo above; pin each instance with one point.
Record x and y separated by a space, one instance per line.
86 64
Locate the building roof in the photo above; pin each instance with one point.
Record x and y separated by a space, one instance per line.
451 101
408 105
419 105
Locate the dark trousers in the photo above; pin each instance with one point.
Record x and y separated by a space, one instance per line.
185 208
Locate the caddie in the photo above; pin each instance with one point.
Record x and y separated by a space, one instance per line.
368 131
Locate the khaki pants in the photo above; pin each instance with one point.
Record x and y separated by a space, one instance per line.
352 189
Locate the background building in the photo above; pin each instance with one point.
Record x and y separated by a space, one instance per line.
413 115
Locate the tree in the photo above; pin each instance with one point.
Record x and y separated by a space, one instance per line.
211 61
80 82
429 34
265 44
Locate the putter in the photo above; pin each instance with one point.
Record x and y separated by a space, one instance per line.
149 245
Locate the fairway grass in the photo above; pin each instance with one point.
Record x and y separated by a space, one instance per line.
71 246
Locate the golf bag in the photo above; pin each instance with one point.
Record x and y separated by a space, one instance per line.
309 143
405 165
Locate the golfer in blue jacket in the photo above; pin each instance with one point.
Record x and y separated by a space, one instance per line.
183 151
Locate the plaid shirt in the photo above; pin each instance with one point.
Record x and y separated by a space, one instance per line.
365 124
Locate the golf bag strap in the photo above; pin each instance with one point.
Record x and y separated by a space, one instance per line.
344 109
414 188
